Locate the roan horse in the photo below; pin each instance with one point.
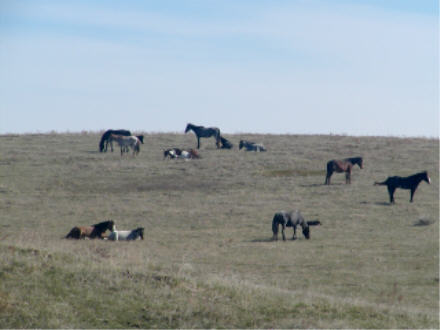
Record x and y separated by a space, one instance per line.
410 182
251 146
343 165
204 132
126 235
291 219
94 231
105 139
127 141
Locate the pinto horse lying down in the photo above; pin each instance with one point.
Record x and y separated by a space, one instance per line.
174 153
94 231
291 219
409 182
126 235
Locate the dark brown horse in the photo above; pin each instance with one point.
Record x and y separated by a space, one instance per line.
94 231
291 219
410 182
204 132
342 165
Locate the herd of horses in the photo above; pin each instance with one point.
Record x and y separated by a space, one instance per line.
127 141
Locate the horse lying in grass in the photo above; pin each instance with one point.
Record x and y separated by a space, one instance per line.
174 153
126 142
94 231
225 144
410 182
126 235
342 165
251 146
291 219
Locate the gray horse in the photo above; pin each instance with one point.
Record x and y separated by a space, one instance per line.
291 219
251 146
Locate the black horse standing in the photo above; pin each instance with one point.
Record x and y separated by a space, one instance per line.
410 182
105 139
204 132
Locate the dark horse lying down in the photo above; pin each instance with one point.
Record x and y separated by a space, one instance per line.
204 132
291 219
94 231
409 182
343 165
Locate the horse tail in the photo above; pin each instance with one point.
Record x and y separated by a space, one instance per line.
275 224
381 183
314 223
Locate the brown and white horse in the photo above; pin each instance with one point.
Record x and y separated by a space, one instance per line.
94 231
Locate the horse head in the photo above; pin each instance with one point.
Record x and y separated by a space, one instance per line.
188 127
194 153
140 231
241 144
306 232
141 138
426 177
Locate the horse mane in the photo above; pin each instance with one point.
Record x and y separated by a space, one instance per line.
355 160
105 224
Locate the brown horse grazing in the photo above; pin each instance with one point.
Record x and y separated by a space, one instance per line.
291 219
95 231
409 182
343 165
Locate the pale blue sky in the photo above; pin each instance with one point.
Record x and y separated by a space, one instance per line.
364 67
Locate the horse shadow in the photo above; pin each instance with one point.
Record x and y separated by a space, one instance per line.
262 240
319 185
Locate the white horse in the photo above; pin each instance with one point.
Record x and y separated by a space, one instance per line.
126 235
127 141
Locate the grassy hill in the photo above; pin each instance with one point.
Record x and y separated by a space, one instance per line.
207 259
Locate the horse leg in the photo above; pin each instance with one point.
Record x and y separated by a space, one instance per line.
111 145
282 231
198 142
327 178
391 191
294 232
348 177
413 190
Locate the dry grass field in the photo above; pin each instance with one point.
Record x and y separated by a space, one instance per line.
207 260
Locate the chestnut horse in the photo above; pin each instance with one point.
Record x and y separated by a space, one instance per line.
342 165
94 231
409 182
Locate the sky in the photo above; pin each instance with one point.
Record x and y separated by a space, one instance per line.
352 67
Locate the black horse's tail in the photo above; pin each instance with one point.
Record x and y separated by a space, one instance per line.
381 183
275 224
314 223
